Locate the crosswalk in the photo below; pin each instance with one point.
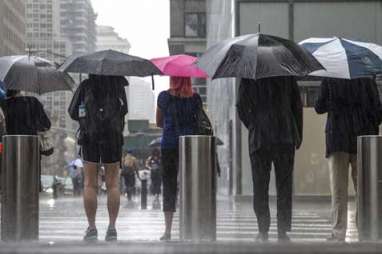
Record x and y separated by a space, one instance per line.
64 220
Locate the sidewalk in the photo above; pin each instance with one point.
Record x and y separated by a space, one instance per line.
64 220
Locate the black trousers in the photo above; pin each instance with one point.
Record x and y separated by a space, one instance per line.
283 161
129 179
169 178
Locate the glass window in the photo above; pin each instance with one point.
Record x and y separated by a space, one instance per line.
195 24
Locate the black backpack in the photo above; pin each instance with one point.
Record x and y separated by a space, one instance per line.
103 112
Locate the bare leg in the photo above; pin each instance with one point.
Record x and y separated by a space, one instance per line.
168 221
113 193
90 192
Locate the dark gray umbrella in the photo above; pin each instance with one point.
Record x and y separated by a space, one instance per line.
155 142
110 62
256 56
32 74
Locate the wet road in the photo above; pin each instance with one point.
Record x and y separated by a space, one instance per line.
64 220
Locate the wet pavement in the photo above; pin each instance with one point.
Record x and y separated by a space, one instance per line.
62 223
64 219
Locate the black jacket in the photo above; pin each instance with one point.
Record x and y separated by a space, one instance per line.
25 115
94 94
271 109
353 108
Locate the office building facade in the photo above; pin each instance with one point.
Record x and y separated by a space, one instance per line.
188 31
12 27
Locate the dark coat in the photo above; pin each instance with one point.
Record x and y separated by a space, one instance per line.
353 108
25 115
271 109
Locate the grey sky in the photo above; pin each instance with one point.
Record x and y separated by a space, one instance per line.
145 23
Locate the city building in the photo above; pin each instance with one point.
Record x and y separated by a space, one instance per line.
78 25
43 32
139 131
55 30
107 38
44 39
296 20
140 109
12 27
188 31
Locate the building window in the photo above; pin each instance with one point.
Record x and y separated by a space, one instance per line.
195 24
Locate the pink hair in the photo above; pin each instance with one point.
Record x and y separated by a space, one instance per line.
181 86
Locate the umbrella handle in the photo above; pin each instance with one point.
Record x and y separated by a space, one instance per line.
152 82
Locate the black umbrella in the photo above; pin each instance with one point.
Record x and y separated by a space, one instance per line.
110 62
256 56
32 74
156 142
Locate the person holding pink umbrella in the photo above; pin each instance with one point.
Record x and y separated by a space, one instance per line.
176 110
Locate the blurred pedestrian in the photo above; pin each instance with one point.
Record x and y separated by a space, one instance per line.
176 112
129 169
271 109
75 174
100 106
24 115
354 109
153 163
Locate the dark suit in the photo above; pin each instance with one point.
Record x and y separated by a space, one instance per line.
353 108
271 109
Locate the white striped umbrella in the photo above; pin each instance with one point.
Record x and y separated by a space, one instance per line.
32 74
343 58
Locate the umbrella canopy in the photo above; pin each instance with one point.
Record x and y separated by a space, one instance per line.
179 66
32 74
256 56
156 142
343 58
110 62
2 90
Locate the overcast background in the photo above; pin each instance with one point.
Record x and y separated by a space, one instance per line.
144 23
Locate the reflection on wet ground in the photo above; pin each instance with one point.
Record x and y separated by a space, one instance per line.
64 220
62 224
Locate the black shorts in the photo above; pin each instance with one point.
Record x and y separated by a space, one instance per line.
109 151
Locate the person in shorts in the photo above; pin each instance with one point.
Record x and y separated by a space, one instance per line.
100 106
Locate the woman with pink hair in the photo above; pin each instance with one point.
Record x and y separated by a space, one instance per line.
176 111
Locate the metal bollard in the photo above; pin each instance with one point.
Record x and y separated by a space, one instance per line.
20 199
197 165
369 188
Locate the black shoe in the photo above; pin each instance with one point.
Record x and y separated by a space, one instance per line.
283 237
165 237
91 234
111 235
333 238
262 237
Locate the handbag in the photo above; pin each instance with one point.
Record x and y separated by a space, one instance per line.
203 123
46 143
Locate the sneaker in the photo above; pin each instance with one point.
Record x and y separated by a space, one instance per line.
91 234
111 234
262 237
165 237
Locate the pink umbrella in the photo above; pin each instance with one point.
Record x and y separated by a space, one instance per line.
179 66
